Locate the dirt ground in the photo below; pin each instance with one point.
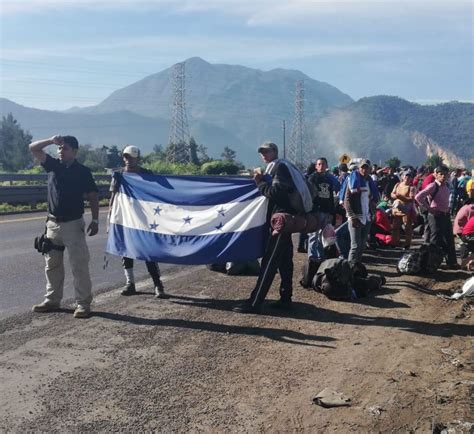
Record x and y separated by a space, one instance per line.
404 356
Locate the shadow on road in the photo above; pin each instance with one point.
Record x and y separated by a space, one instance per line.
309 312
281 335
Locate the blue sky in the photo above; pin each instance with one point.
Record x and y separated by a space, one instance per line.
56 54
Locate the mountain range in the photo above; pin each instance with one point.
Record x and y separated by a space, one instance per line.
239 107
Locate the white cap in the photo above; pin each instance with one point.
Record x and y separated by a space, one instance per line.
133 151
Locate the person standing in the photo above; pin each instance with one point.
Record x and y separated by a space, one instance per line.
131 157
403 209
281 182
360 195
435 199
325 186
68 183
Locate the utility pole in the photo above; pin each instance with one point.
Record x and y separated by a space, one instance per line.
297 151
179 131
284 138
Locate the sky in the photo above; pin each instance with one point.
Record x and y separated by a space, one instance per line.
56 54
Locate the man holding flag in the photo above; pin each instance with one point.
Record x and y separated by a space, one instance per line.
286 190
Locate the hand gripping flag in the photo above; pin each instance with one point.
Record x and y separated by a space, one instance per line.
187 220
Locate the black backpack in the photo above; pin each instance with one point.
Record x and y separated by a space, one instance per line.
308 271
334 279
431 258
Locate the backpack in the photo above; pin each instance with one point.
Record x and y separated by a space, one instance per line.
410 263
431 258
308 271
335 280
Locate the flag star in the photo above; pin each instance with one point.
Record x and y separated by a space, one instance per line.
157 210
220 226
154 225
221 211
187 220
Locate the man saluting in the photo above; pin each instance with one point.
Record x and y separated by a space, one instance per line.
68 183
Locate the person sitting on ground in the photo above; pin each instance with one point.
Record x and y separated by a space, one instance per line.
403 195
131 156
435 199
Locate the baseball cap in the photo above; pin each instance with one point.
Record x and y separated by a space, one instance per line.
268 146
364 162
133 151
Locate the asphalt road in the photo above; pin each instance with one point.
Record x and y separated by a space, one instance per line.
22 280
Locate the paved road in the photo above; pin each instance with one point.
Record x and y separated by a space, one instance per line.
22 280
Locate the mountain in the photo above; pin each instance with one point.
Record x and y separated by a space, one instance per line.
114 128
248 104
239 107
380 127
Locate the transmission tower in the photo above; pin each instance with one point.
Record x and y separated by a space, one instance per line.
178 149
297 150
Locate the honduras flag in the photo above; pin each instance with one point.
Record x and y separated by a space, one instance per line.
187 220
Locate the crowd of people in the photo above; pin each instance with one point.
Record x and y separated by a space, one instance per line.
356 206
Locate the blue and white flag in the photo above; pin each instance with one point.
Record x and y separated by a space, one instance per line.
187 220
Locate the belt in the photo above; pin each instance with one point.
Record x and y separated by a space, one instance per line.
57 219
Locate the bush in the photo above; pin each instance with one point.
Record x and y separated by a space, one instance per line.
164 168
218 167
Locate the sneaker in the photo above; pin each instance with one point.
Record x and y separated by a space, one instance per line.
82 312
281 304
246 307
160 291
129 289
45 307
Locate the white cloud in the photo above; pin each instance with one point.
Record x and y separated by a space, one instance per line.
240 49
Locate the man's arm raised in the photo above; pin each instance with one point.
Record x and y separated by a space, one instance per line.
37 147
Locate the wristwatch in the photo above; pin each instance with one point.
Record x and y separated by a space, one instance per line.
95 221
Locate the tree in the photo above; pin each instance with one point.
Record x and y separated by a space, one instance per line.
393 162
14 141
193 151
114 157
434 161
202 154
228 154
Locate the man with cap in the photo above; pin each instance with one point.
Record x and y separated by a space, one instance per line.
360 196
131 156
280 183
68 183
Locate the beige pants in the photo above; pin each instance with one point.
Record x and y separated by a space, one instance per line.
72 236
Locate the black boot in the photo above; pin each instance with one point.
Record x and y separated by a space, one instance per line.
129 289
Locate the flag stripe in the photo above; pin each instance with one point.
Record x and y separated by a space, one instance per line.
188 220
184 249
181 190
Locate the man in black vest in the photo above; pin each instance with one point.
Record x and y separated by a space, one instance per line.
68 183
277 185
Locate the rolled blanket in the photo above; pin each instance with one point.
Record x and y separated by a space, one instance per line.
290 224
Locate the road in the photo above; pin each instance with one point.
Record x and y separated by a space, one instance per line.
22 281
